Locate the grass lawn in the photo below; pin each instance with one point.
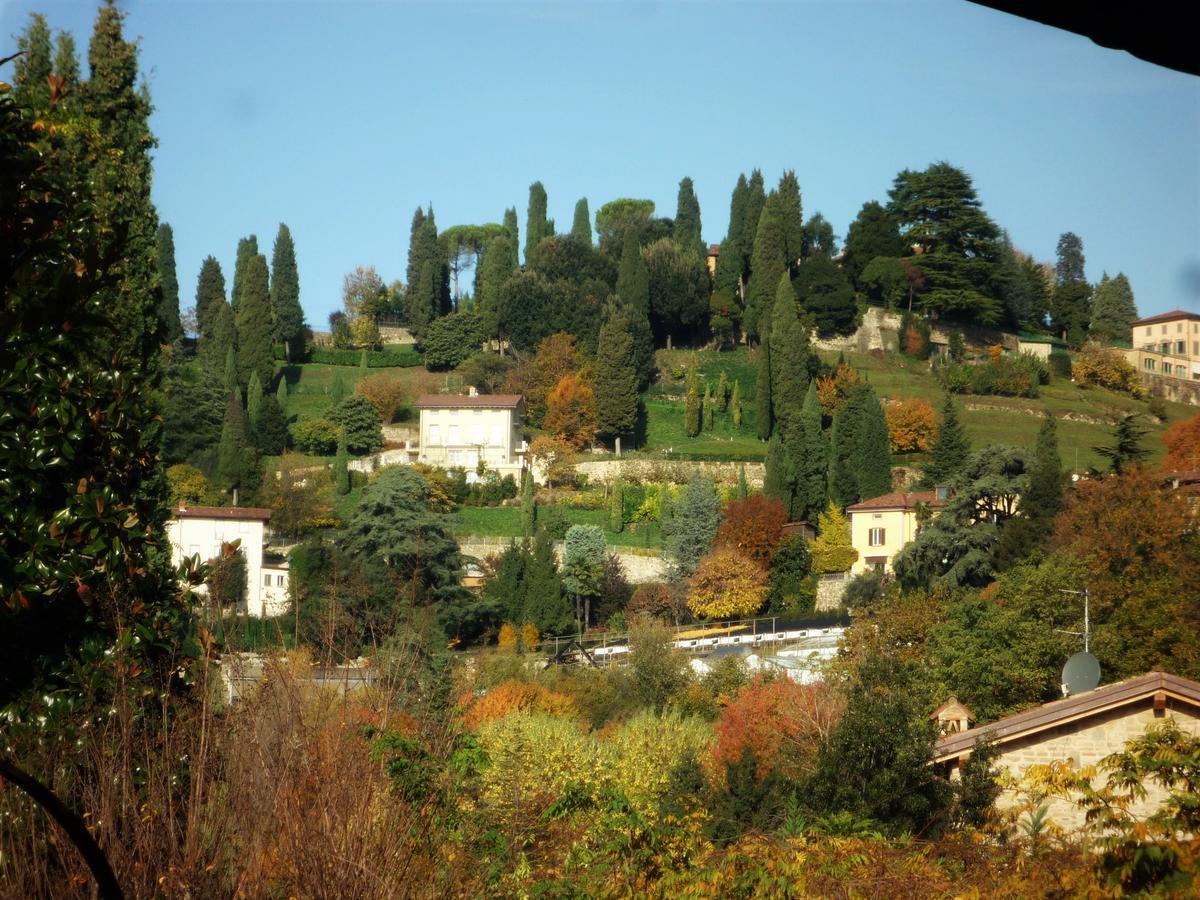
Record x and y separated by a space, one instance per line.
310 384
505 521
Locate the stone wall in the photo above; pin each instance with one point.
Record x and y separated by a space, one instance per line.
639 568
830 592
603 471
1177 389
1085 743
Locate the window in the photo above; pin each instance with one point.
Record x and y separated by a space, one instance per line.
1164 347
435 434
267 580
1166 368
875 537
279 581
1195 348
1181 347
452 436
1149 363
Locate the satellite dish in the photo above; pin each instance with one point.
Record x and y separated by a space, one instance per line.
1080 674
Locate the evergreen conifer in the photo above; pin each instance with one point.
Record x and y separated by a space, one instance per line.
743 488
708 408
230 382
872 458
789 356
691 411
32 67
247 249
949 452
210 294
252 321
341 462
233 440
535 219
528 504
514 237
285 295
762 391
686 229
254 401
168 279
581 227
281 394
778 479
270 435
723 392
735 404
767 264
791 217
809 460
1114 310
615 381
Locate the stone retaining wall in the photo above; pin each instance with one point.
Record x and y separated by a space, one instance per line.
604 471
639 568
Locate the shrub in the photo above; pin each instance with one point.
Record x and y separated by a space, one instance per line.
357 416
791 591
376 359
832 550
863 589
512 696
911 425
727 585
1060 363
554 522
553 457
316 436
1003 376
385 392
1106 368
653 600
753 527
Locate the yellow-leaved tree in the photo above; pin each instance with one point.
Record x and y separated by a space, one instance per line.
832 550
727 585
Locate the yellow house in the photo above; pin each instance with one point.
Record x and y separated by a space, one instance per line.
1167 344
882 526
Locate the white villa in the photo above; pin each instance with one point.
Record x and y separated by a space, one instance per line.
201 530
458 430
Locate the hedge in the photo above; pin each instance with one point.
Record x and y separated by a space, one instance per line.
376 359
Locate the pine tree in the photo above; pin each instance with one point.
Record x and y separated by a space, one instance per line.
687 230
872 458
168 310
949 452
32 67
341 463
118 181
767 264
528 504
875 232
233 440
791 217
285 295
691 411
735 404
789 355
693 526
254 401
252 321
615 381
545 605
809 454
535 219
762 391
1114 310
514 237
66 67
247 249
210 292
1071 300
581 227
1126 449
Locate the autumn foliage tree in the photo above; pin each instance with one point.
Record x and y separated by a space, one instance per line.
1107 368
779 723
727 585
753 527
557 356
912 425
516 696
571 411
1183 445
385 392
834 388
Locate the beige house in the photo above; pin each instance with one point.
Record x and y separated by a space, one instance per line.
458 430
1081 730
202 530
882 526
1167 344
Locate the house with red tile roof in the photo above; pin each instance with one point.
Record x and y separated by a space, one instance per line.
882 526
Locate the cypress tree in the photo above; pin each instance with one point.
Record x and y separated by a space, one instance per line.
494 270
415 248
535 218
872 457
767 264
254 401
633 279
723 392
514 237
809 454
247 249
215 351
616 508
762 391
66 66
362 363
528 504
252 321
743 488
233 440
789 355
281 394
337 389
779 480
429 290
615 380
168 309
1071 301
1027 532
791 218
581 228
949 452
735 404
32 67
707 409
210 293
728 274
341 463
691 410
545 605
687 230
285 295
843 476
230 378
1114 310
422 299
755 200
118 181
270 435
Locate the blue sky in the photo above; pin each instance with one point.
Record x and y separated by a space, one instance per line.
340 118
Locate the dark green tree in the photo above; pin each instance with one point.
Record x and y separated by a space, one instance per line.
940 213
826 295
545 602
808 451
763 405
168 310
233 440
819 239
359 421
871 457
528 504
1028 532
707 407
394 525
633 281
679 291
285 295
845 436
728 274
341 462
450 341
686 230
1114 310
767 264
950 449
416 248
514 236
615 379
33 67
1126 449
874 232
254 402
692 412
210 293
247 249
779 478
581 227
429 288
229 378
791 217
535 219
1071 300
495 269
252 322
755 198
66 67
789 355
689 536
270 435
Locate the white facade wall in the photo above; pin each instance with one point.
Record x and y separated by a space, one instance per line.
273 590
190 535
462 437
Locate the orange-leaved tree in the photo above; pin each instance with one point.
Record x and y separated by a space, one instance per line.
832 390
753 526
513 695
1183 445
555 357
571 411
912 425
727 585
779 723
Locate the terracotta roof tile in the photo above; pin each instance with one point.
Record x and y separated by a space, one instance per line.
1167 317
898 500
462 401
221 512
